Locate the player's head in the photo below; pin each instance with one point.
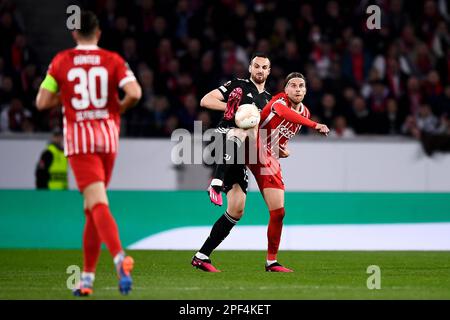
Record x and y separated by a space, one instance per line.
259 67
295 87
89 28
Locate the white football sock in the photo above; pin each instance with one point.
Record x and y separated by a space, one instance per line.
90 275
201 256
119 257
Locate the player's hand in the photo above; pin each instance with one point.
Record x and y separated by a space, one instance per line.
322 129
284 152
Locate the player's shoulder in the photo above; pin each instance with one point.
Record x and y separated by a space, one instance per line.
281 98
236 82
241 80
63 54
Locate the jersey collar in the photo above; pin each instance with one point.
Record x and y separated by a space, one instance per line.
254 84
86 47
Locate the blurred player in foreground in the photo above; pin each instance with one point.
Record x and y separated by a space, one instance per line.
85 80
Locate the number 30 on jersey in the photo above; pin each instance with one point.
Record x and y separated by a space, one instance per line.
87 87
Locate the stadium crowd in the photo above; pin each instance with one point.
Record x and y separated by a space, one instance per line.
392 81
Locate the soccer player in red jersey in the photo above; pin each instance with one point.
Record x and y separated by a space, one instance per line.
281 119
85 81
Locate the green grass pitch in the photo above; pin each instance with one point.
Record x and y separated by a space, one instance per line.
41 274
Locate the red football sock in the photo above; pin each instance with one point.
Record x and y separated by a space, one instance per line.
92 244
107 228
274 232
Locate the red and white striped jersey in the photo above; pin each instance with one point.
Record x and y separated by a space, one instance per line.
275 130
88 78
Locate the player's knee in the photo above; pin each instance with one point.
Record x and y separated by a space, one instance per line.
236 213
277 214
237 133
95 194
236 209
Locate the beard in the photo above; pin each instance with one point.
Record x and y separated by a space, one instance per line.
259 79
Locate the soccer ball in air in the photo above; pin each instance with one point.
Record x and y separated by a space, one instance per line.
247 116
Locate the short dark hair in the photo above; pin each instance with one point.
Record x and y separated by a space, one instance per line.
259 55
293 75
88 24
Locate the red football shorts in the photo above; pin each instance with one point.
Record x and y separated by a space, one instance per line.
268 175
90 168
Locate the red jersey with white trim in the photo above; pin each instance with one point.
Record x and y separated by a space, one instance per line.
276 129
88 78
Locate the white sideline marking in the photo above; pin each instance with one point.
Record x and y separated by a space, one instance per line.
398 236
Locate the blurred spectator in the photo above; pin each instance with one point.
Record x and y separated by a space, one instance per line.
423 122
425 119
356 62
377 99
205 118
391 121
340 129
328 110
361 119
413 97
188 114
15 117
21 53
182 49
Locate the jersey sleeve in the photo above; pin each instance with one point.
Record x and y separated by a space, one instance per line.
123 72
285 112
226 88
52 79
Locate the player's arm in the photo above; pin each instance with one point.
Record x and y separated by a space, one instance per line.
294 117
214 100
284 151
133 94
48 96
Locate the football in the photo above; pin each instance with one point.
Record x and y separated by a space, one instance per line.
247 116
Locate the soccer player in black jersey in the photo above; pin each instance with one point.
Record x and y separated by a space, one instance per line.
231 176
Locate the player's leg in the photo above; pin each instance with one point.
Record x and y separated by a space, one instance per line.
221 229
81 165
91 252
233 150
274 198
236 184
92 173
97 202
228 142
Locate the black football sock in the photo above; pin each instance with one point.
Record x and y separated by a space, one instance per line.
220 230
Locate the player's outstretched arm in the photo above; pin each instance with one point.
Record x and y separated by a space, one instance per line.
213 100
133 94
292 116
322 129
283 152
